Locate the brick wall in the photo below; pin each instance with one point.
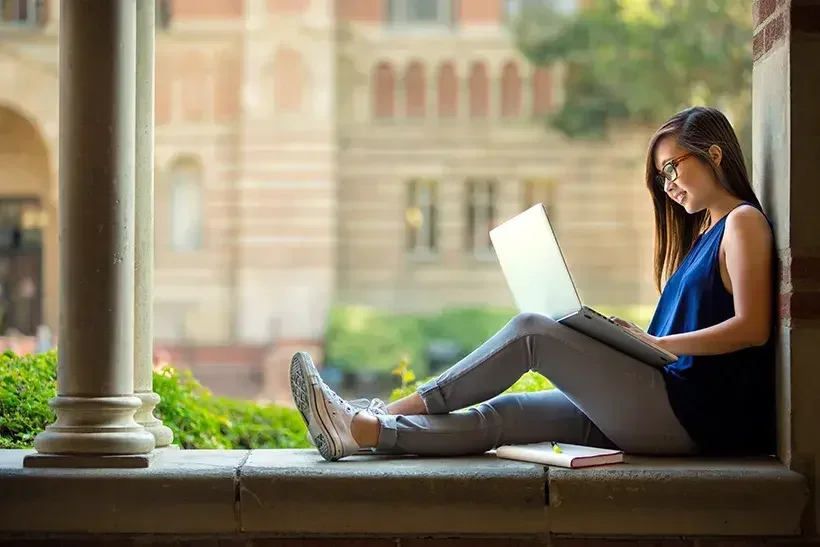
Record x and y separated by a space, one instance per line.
786 139
771 22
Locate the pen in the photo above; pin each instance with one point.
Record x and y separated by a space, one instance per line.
556 448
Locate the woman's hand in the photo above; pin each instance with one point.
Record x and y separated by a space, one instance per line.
637 331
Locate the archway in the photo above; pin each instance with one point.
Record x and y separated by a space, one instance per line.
28 227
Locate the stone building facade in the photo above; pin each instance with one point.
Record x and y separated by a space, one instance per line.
314 152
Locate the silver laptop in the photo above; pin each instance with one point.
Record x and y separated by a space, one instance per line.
540 282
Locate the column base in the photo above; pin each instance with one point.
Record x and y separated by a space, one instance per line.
98 426
89 461
163 436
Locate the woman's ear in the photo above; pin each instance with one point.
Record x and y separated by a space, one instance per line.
716 154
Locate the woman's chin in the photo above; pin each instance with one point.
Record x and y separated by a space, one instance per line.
690 207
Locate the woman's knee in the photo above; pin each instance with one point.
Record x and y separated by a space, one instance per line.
530 323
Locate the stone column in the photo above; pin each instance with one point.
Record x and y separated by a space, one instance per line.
95 405
144 225
786 115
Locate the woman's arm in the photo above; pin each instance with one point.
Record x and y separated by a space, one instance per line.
747 246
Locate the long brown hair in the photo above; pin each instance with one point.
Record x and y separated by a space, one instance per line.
696 129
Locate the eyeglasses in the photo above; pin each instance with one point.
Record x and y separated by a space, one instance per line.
669 171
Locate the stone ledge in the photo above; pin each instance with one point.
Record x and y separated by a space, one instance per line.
293 493
681 497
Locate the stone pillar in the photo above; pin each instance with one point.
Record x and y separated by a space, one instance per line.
144 226
786 137
95 405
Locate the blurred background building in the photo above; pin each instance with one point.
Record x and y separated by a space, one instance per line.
313 154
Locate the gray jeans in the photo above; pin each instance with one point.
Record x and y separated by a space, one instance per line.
602 398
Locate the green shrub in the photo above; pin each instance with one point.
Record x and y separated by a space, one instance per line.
360 338
26 385
198 418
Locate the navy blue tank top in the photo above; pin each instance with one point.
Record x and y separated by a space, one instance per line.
726 402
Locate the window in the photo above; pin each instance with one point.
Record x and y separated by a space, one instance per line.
541 92
510 91
541 191
513 9
479 91
481 215
420 216
163 14
186 206
23 12
383 85
403 13
415 91
447 91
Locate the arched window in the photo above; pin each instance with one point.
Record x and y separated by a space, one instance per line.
415 93
383 86
541 92
447 91
479 91
186 213
510 91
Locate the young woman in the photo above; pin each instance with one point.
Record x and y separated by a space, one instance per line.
715 268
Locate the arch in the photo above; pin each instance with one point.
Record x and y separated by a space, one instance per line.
28 226
24 152
185 204
447 88
479 87
415 91
290 80
510 91
383 86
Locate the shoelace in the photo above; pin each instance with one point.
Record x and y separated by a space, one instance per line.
374 406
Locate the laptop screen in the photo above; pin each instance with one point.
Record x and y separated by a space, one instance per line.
532 262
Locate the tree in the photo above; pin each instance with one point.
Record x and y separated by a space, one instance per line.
639 61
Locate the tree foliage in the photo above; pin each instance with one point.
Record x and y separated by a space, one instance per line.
639 61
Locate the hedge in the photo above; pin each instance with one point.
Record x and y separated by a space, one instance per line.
198 418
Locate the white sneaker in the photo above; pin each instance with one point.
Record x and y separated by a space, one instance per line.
373 406
326 415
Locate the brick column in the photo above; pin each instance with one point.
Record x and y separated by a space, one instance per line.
144 226
786 140
95 405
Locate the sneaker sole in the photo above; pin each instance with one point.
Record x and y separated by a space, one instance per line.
302 380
